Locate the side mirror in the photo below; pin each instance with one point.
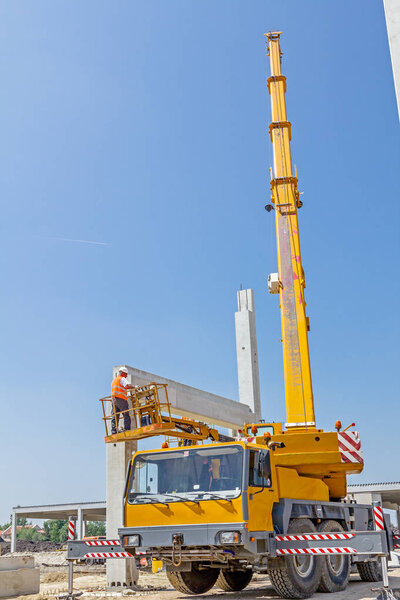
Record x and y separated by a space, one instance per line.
260 465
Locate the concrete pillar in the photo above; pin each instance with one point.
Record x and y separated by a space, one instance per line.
392 14
79 525
13 532
121 573
246 351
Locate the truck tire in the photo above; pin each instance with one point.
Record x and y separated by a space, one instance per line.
370 571
336 568
296 576
195 581
233 581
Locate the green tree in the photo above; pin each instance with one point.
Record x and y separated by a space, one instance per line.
31 534
95 528
56 530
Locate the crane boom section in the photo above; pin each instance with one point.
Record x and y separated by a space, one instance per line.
286 200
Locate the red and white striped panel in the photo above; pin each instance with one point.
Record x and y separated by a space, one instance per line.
397 546
396 540
378 516
317 551
108 555
350 447
103 543
71 530
314 536
396 537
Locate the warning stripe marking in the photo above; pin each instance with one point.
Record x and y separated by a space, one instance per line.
103 543
378 516
71 530
314 536
108 555
396 537
317 551
350 447
397 546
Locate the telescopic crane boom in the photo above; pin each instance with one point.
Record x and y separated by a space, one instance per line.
290 282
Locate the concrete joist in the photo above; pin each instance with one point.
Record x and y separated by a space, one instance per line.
195 403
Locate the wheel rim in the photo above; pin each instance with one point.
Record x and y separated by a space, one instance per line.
303 565
336 563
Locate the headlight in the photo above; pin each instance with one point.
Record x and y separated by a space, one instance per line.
229 537
132 540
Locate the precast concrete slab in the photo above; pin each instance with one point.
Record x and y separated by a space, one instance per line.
11 563
18 576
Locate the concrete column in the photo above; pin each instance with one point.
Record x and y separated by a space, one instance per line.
246 351
392 13
13 532
120 573
79 525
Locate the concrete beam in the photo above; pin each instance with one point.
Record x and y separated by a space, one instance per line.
94 511
197 404
246 352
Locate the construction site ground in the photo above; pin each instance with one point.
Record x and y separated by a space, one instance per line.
91 581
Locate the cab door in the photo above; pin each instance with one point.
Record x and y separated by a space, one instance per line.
260 492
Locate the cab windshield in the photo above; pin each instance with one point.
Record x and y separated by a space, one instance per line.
187 474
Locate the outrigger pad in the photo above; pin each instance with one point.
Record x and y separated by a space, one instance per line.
387 593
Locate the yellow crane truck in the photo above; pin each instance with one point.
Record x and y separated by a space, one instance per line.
216 509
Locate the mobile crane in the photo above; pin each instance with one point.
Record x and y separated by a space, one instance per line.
215 509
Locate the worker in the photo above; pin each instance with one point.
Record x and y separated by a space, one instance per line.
119 394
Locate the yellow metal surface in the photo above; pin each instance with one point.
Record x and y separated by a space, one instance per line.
292 485
285 198
156 565
260 507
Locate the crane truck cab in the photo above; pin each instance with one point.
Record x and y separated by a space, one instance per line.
200 509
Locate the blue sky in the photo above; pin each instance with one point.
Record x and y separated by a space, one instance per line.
143 126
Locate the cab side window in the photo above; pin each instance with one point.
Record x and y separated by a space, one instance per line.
256 478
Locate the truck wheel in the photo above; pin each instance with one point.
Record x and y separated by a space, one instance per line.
233 581
90 562
296 576
370 571
335 568
195 581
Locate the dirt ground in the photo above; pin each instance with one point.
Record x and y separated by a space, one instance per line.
92 583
